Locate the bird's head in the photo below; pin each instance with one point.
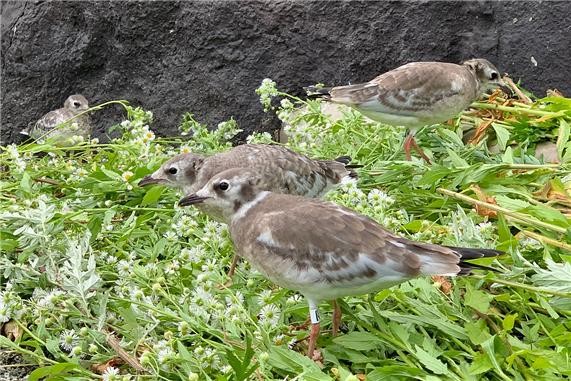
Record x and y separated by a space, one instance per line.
76 103
227 191
486 73
178 172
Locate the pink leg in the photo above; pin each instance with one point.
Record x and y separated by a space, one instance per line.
407 144
314 333
336 318
232 269
418 149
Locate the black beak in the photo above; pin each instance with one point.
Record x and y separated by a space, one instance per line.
191 200
147 180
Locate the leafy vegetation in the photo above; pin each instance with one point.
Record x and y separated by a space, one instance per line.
102 278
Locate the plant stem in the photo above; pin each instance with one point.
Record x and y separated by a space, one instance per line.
518 109
519 216
524 286
546 240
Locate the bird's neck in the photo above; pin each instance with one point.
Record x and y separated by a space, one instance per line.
243 208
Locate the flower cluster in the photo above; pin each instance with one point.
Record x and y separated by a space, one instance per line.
267 91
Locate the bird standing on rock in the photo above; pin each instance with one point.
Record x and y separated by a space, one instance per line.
416 94
321 249
285 171
56 125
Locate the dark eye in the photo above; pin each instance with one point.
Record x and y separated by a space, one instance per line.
172 170
223 185
494 76
76 104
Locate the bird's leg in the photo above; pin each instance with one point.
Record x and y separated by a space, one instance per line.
232 269
336 318
407 143
417 149
314 333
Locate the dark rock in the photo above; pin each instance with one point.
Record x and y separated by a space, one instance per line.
208 57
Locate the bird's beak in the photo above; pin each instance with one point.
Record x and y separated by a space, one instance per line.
505 88
191 200
149 179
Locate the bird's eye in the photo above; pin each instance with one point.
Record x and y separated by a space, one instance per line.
76 104
223 185
494 76
173 170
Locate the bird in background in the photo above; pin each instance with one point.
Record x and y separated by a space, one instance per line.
320 249
285 171
53 127
417 94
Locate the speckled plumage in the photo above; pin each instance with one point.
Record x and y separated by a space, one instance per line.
321 249
418 93
51 126
287 171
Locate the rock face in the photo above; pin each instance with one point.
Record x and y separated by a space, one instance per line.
208 57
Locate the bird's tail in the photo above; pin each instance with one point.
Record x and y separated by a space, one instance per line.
318 92
470 253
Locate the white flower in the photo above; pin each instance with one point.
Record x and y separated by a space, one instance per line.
380 198
110 374
126 176
68 339
124 268
270 315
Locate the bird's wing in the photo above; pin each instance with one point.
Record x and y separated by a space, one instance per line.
50 121
287 171
335 245
410 88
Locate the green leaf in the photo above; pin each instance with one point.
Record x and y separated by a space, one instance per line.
509 321
502 134
479 300
52 372
26 183
457 161
432 363
359 341
563 137
394 372
477 331
480 364
294 362
152 196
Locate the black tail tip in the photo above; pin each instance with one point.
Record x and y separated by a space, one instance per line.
467 254
344 159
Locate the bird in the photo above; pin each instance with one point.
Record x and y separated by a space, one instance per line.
318 248
416 94
50 126
286 172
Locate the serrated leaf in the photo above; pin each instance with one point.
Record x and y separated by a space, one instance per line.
432 363
480 364
477 331
479 300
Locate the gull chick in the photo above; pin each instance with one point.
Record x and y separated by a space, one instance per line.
321 249
286 171
417 94
51 126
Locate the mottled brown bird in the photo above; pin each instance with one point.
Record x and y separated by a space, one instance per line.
285 171
56 125
417 94
321 249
